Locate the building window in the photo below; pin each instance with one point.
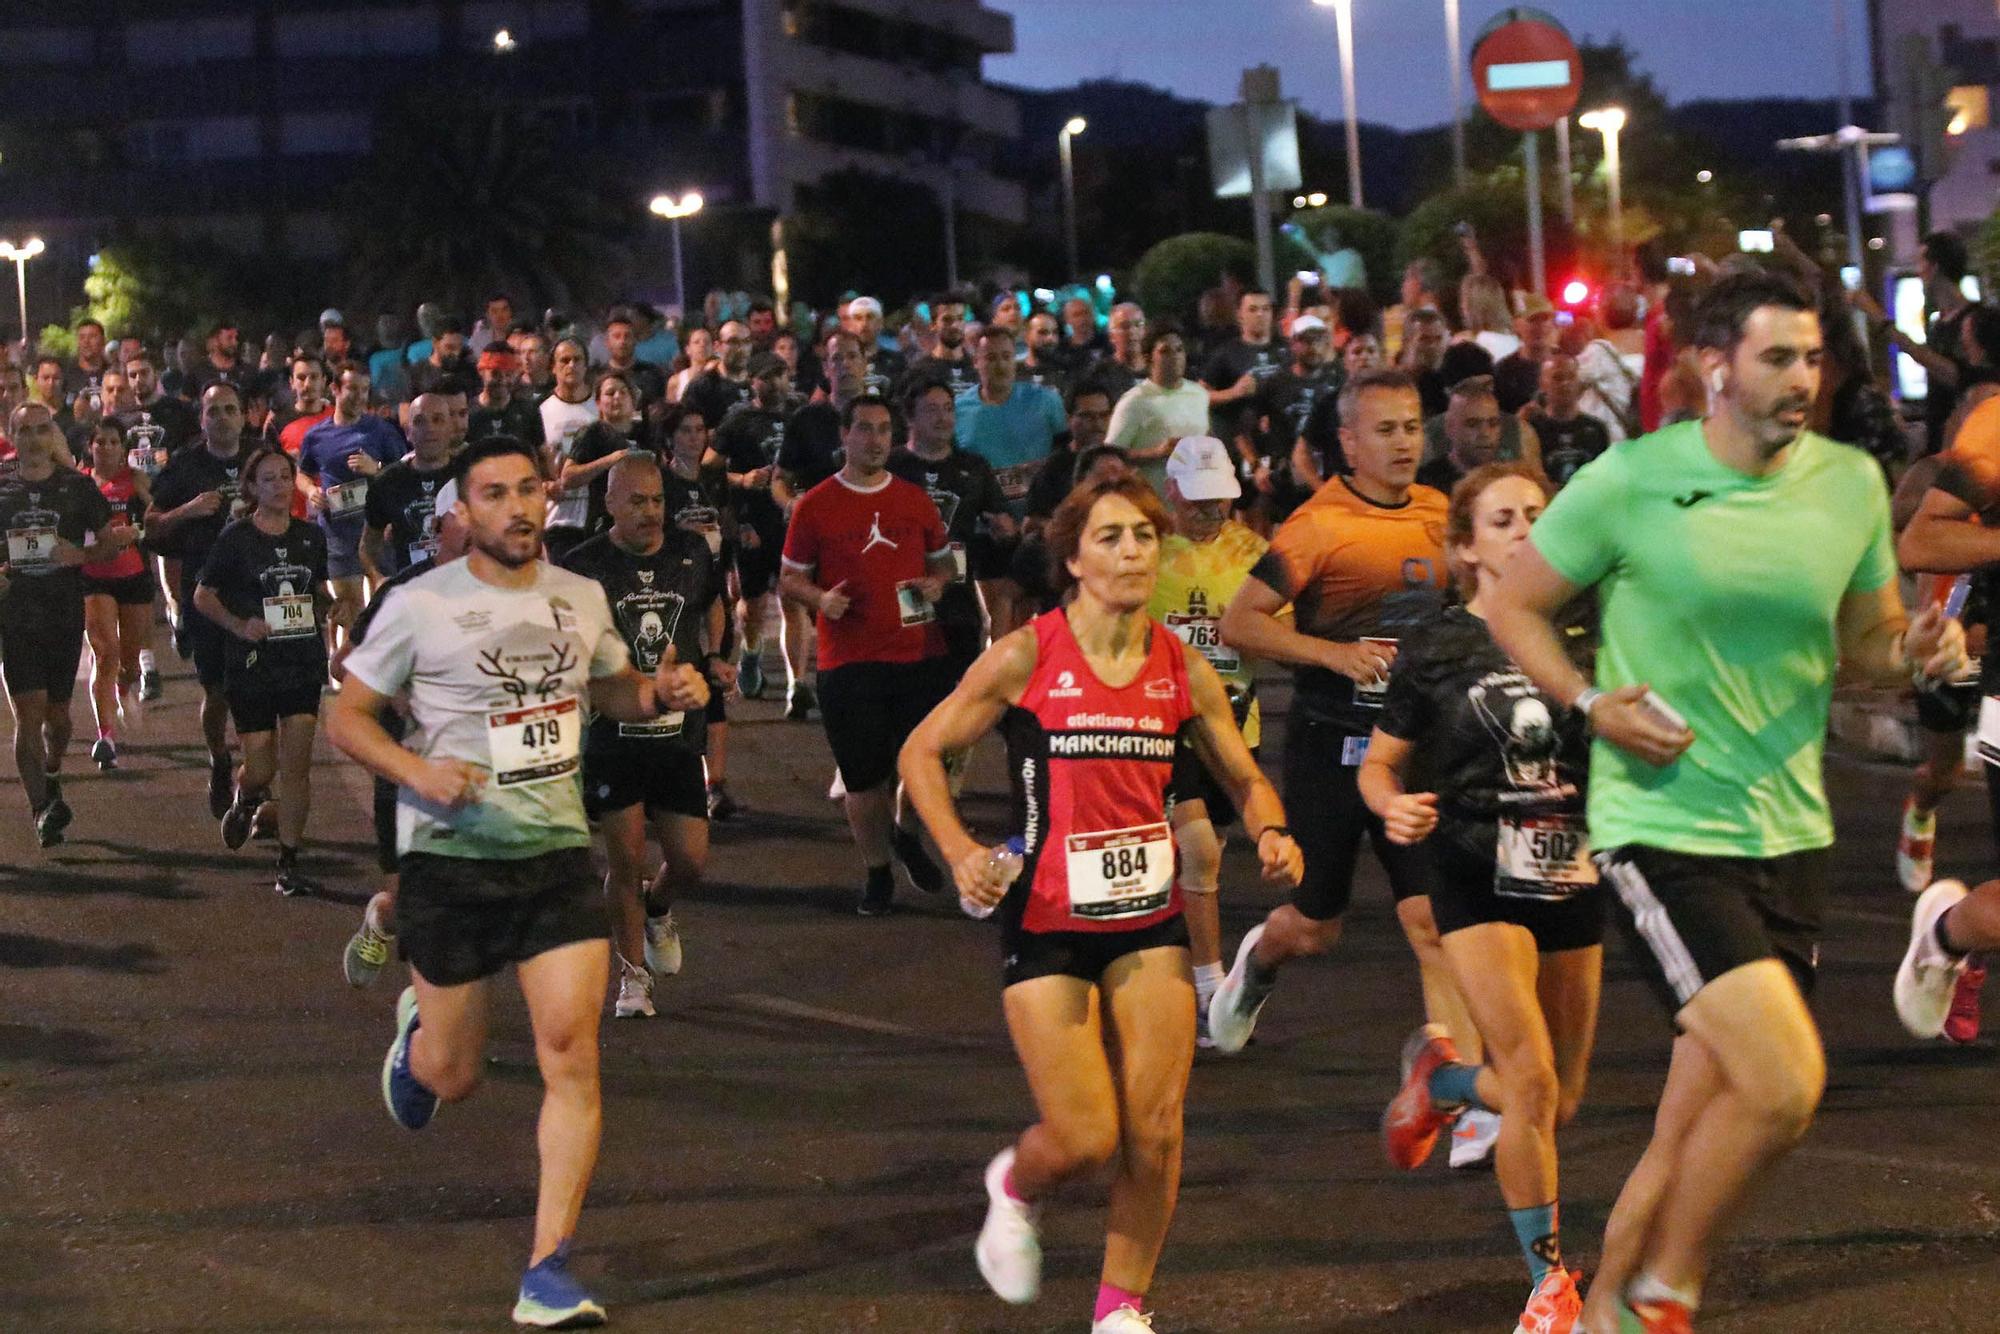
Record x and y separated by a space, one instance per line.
45 46
407 31
334 132
187 41
1970 107
200 139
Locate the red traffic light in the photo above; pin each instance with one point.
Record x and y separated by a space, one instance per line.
1575 292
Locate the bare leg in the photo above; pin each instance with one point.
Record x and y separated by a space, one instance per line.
565 990
1150 999
30 708
294 759
100 628
1443 1005
625 873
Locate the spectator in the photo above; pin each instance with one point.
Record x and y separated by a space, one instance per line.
1610 365
1162 408
1517 377
1569 436
1941 265
1471 433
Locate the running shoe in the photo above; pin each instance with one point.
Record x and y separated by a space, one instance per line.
237 822
1961 1025
551 1298
750 675
1554 1307
1009 1249
1411 1124
132 709
1202 1041
366 954
722 807
1233 1010
221 788
294 883
50 821
1126 1319
837 789
635 993
924 873
663 945
1473 1138
1928 975
410 1104
1915 847
801 704
1654 1317
104 753
265 827
878 896
150 687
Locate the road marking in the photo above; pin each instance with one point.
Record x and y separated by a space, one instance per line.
791 1009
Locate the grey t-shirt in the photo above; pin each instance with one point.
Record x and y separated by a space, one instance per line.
499 678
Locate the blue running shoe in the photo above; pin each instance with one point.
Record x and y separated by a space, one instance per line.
410 1104
551 1299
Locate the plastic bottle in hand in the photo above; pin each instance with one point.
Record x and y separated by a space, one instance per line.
1006 859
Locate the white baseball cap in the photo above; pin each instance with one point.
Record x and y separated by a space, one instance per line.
867 304
447 496
1306 324
1200 467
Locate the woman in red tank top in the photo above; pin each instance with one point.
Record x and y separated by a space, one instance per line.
1099 703
117 597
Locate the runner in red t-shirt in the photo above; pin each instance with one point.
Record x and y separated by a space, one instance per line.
867 552
308 375
1101 705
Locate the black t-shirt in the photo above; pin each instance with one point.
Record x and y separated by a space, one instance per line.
812 452
1228 364
1462 360
1284 403
1052 484
1441 473
277 580
648 384
1494 743
701 505
964 489
750 438
518 419
427 376
886 368
187 475
601 440
713 394
1568 445
1113 375
402 502
164 424
1435 390
656 600
1051 374
958 376
65 505
1516 381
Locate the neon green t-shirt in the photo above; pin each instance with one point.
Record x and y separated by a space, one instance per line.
1721 592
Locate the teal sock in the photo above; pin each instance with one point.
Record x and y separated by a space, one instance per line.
1455 1085
1535 1229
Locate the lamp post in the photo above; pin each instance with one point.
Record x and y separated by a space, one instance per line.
1073 128
1343 26
1608 121
21 255
673 210
1457 63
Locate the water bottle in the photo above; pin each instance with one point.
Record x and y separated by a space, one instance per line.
1006 859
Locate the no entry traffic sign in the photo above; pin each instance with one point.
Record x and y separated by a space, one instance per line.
1526 70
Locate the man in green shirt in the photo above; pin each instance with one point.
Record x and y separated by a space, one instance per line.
1740 561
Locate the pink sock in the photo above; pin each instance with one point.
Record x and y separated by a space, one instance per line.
1007 1185
1110 1297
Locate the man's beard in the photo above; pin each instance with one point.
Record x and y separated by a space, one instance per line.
500 555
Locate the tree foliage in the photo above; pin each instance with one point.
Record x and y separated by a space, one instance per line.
1371 234
1496 206
1170 278
465 195
862 232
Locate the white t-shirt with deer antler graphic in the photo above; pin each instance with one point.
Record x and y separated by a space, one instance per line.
500 678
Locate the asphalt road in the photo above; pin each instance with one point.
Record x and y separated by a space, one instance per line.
191 1136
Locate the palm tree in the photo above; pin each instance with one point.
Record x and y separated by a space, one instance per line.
464 196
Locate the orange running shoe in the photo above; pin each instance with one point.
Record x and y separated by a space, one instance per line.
1411 1124
1654 1317
1554 1307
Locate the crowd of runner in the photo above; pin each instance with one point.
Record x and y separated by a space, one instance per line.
520 570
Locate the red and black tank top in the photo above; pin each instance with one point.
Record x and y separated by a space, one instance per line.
125 510
1092 766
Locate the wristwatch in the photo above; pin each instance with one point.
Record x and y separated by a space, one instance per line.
1585 700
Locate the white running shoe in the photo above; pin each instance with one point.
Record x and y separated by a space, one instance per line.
837 789
1009 1249
635 993
1232 1015
1928 976
1124 1320
1473 1138
1915 848
663 945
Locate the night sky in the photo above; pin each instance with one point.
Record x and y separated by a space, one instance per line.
1199 48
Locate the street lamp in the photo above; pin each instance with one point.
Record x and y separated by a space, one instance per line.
1343 25
503 42
1608 121
1073 128
673 210
21 255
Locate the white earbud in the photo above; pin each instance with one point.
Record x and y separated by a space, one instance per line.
1715 382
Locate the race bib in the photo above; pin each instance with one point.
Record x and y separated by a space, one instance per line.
421 552
1546 857
31 548
146 460
667 724
1120 872
1988 732
291 616
347 498
1014 481
1371 692
1203 634
535 743
912 605
958 565
1353 750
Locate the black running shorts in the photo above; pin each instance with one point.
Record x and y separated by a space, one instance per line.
459 919
41 652
134 590
1693 918
1464 896
1328 819
869 710
256 706
208 645
1949 710
1082 954
666 779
